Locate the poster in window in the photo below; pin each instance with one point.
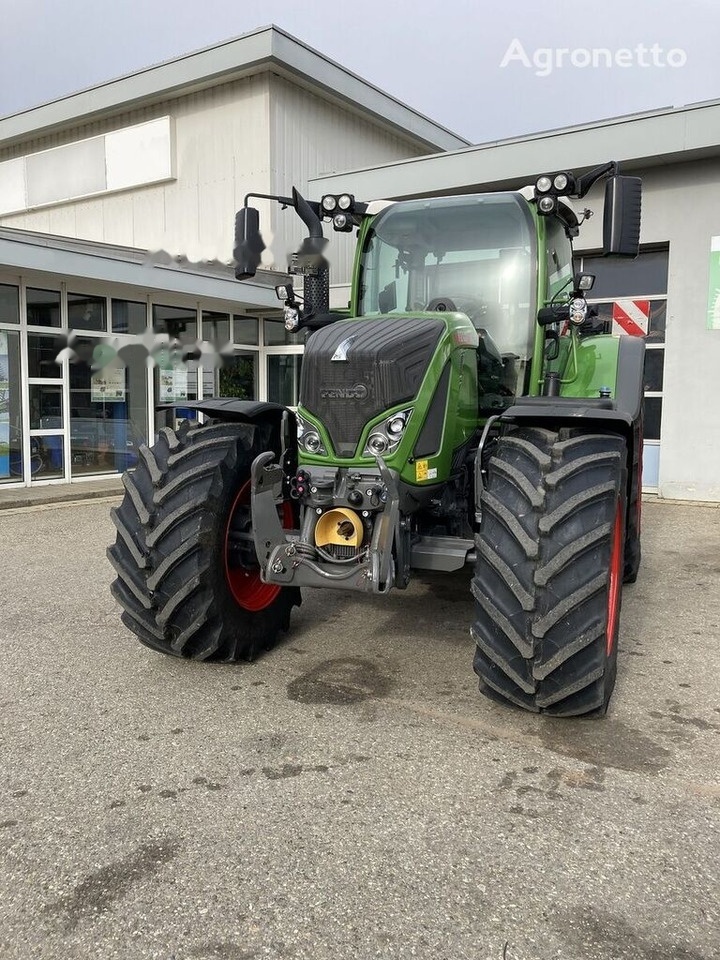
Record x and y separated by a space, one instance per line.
173 385
108 385
4 407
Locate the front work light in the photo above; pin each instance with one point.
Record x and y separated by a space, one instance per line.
543 184
546 205
342 222
584 281
328 203
345 201
578 311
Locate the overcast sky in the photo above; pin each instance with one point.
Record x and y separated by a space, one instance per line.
442 57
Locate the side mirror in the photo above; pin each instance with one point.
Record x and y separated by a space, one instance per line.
621 217
248 243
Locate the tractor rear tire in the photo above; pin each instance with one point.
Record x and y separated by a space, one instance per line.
548 578
183 589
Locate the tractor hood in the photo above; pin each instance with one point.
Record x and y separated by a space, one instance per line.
354 370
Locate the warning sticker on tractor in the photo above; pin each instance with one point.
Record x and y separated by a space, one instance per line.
423 472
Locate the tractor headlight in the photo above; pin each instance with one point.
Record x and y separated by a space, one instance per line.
377 444
328 203
345 201
543 184
342 221
561 181
308 438
312 442
546 205
396 426
386 437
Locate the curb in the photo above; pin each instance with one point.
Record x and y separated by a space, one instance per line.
33 498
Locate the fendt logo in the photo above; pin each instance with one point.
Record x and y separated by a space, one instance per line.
358 391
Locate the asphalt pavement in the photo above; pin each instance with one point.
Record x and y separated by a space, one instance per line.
351 794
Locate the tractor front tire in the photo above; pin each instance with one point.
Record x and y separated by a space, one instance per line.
549 570
187 579
633 551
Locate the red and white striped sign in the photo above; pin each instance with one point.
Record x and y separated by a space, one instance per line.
631 317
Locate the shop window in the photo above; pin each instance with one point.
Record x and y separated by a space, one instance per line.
43 307
176 379
42 356
87 313
178 323
245 330
107 411
128 316
11 466
284 378
237 377
46 406
275 334
216 328
9 304
47 460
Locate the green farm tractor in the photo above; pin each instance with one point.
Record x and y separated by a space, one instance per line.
462 411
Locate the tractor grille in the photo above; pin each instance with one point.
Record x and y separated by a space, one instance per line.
386 362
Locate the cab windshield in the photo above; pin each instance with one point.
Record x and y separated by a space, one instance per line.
473 254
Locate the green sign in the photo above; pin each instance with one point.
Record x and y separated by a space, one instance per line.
714 285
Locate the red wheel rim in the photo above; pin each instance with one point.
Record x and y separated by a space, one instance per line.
615 580
248 590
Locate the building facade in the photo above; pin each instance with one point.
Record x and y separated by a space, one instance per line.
116 233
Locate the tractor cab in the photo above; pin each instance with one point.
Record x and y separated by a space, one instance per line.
469 254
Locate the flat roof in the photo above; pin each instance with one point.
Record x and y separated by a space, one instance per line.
655 138
89 261
233 59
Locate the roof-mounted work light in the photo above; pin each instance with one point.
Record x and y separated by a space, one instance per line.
343 209
550 186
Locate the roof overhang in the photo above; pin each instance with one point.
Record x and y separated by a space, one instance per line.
262 49
637 142
22 251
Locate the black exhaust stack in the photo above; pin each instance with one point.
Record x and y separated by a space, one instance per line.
309 261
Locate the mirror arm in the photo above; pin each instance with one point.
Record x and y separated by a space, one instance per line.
313 205
585 182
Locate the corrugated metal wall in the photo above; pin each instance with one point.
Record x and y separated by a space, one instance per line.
311 136
222 151
263 133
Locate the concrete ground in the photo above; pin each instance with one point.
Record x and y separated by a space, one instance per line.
351 795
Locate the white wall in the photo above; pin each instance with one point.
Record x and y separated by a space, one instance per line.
263 134
310 137
681 205
222 150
